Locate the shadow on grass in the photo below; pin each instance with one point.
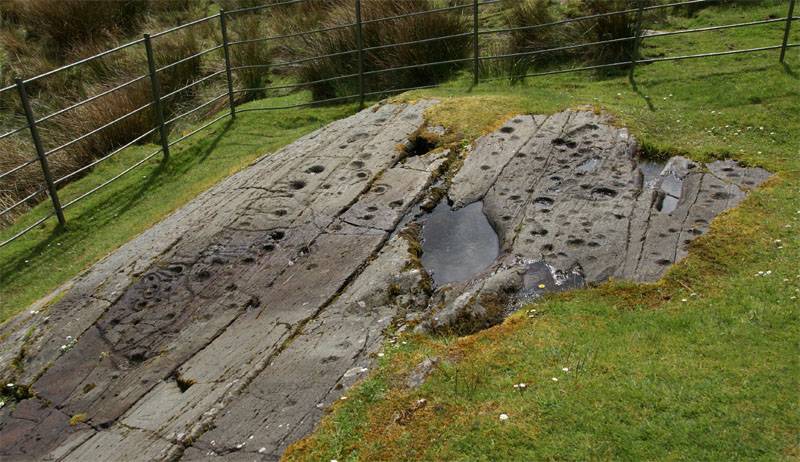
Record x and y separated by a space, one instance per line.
635 87
789 71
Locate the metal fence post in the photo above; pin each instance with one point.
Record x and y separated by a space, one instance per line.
360 41
788 29
637 37
225 51
475 49
157 108
37 142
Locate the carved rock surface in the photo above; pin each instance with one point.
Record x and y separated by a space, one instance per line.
227 327
566 193
226 330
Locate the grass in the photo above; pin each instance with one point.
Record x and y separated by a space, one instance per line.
702 365
651 376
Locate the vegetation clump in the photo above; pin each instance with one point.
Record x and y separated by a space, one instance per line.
342 45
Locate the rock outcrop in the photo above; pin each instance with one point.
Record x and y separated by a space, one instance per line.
225 330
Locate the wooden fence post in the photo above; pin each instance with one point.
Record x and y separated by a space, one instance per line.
360 41
787 29
224 29
637 38
37 143
475 47
156 88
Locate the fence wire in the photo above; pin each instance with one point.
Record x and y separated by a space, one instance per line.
49 188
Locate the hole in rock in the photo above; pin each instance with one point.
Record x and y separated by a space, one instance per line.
666 203
315 169
419 145
183 383
603 193
457 244
562 142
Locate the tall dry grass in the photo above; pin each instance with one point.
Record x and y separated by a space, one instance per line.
374 34
252 58
608 28
64 89
528 13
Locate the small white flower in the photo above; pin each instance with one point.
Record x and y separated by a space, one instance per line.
380 355
504 417
684 300
555 379
343 398
565 369
10 385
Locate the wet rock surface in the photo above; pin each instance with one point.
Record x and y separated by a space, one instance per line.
572 205
457 243
227 329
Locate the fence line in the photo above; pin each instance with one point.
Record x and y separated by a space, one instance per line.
357 28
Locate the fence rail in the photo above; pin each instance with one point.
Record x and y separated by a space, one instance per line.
49 186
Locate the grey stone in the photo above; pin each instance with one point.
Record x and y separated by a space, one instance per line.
421 372
228 328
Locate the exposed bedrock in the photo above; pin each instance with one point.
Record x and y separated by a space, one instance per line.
246 298
227 329
572 204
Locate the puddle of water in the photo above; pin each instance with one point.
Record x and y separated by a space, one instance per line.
668 204
457 244
669 185
650 170
672 185
540 278
588 165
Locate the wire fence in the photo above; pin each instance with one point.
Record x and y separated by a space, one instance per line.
153 73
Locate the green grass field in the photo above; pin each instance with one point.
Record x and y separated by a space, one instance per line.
703 365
